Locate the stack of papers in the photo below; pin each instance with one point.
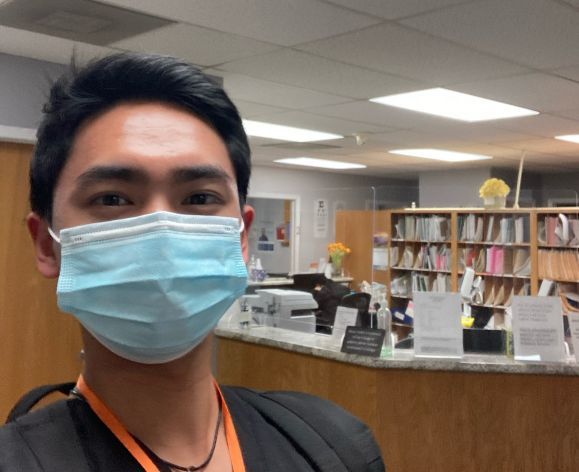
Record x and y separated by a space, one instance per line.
422 228
433 257
559 265
470 227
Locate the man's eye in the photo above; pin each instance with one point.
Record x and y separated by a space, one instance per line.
202 199
111 200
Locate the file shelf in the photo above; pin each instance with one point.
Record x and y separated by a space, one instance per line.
517 238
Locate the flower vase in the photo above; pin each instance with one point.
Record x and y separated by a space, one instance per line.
495 202
337 265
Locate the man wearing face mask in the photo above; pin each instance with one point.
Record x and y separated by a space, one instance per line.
138 188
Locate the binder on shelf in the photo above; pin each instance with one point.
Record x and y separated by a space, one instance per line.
470 227
574 232
506 232
522 262
407 260
522 229
490 229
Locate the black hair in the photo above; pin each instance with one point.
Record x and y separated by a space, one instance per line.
86 92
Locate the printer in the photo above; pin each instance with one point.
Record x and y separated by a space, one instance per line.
287 309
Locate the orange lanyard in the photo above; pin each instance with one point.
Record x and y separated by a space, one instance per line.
117 428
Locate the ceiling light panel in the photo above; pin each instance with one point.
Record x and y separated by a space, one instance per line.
455 105
321 163
440 155
572 138
285 133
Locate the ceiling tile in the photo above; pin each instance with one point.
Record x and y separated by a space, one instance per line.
251 109
540 92
278 95
541 125
477 132
275 21
538 33
320 123
401 51
571 114
568 72
407 139
546 146
378 115
393 9
47 48
288 66
198 45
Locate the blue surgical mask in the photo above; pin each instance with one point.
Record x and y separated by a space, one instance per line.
152 287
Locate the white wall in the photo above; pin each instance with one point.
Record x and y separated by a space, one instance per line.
23 89
454 188
351 192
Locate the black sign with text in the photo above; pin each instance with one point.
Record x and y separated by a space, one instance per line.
363 341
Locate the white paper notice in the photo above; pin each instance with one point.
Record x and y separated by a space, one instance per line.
380 258
538 329
344 317
574 327
321 217
437 326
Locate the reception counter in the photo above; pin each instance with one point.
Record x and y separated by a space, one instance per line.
476 414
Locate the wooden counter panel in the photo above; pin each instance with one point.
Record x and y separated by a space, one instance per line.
435 421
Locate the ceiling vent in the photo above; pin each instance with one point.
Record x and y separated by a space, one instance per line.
79 20
73 22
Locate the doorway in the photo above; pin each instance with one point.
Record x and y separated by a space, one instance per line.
274 236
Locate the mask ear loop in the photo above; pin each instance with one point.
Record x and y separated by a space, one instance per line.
53 235
242 226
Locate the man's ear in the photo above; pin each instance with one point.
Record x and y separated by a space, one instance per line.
248 217
47 257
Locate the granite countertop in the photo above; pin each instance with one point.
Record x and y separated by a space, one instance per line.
324 346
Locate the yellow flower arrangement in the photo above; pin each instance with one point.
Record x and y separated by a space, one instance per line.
337 253
338 250
494 188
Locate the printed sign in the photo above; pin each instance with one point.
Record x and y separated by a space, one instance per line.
321 216
538 329
437 326
344 317
363 341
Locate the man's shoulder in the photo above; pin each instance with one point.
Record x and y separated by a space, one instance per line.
48 431
308 407
310 419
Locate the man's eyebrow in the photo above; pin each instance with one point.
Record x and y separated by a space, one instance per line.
104 173
187 174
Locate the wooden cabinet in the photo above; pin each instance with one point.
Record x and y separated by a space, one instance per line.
512 251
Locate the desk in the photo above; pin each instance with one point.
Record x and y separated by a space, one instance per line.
484 413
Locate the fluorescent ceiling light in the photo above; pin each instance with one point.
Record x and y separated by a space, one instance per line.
572 138
285 133
323 163
456 105
440 155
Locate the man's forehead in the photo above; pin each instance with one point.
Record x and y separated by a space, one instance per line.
148 135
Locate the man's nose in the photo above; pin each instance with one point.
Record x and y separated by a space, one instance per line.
159 203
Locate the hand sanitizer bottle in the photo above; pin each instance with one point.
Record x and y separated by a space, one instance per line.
260 273
384 317
251 269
